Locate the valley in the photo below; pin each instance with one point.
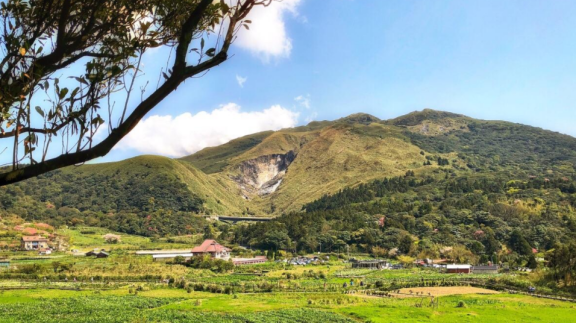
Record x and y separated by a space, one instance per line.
421 191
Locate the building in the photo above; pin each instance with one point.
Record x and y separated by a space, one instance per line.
213 249
458 269
370 264
176 252
33 243
102 254
249 261
98 254
493 269
170 256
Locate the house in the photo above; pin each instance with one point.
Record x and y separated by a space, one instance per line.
102 254
99 254
213 249
370 264
458 269
488 269
33 243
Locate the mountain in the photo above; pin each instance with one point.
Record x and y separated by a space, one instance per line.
276 172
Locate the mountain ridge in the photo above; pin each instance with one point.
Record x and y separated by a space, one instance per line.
253 175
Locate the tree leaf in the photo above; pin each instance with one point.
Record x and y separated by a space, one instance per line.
22 51
211 52
39 110
63 93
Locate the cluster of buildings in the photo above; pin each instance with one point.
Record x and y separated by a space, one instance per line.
303 260
447 268
370 264
469 269
209 247
97 253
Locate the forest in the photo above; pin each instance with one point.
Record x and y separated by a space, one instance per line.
483 218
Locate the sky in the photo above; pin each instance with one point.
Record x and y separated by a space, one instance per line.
305 60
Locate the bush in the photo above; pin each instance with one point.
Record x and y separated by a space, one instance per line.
461 304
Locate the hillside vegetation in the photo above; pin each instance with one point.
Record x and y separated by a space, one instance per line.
309 165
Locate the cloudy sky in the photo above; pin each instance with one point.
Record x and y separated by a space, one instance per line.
305 60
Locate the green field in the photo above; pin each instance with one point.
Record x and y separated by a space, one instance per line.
176 305
126 287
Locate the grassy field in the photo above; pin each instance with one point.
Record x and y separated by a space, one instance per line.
177 305
126 287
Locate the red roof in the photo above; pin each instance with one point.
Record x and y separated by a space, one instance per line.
34 238
209 246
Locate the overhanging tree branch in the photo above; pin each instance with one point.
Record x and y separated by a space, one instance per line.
77 38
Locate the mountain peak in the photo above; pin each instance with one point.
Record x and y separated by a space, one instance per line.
363 118
416 117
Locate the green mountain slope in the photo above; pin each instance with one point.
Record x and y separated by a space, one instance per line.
121 195
271 173
359 148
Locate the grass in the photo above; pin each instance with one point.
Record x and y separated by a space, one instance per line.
302 296
177 304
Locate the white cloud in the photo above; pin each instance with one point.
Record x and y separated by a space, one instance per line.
267 36
303 100
187 133
241 80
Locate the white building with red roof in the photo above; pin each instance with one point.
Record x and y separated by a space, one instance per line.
33 243
213 248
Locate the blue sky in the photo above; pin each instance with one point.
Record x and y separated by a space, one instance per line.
505 60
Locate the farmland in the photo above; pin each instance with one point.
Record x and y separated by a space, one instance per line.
177 305
130 288
125 287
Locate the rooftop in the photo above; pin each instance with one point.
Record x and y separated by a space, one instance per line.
171 255
486 267
458 266
209 245
34 238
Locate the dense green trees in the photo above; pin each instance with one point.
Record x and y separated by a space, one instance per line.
478 215
562 262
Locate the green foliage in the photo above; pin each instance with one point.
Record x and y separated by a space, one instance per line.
562 263
142 196
215 265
